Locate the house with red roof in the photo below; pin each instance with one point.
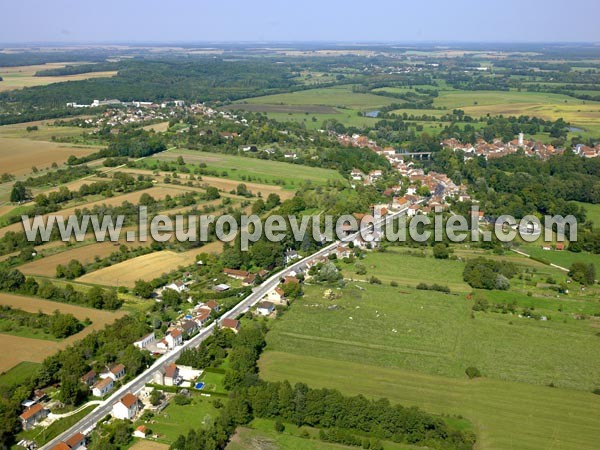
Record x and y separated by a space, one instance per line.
33 415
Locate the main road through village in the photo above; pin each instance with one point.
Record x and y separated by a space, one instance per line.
87 423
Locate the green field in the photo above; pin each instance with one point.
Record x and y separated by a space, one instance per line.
175 420
265 171
18 373
562 258
413 346
592 213
339 102
260 434
505 415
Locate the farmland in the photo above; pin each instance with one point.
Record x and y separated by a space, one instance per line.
145 267
35 350
18 156
23 76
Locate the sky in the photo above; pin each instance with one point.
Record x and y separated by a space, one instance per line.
102 21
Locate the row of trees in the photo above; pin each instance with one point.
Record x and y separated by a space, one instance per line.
57 324
12 280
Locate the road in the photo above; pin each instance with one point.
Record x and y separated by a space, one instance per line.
89 422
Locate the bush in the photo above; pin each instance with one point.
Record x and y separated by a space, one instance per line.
182 400
279 427
473 372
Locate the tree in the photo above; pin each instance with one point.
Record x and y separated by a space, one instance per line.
156 397
441 251
19 193
143 289
583 273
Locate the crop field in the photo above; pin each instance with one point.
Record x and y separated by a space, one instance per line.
17 156
238 166
35 350
23 76
145 267
506 415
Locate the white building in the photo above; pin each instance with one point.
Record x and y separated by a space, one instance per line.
145 341
126 408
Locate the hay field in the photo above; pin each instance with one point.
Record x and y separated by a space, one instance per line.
160 127
18 156
24 76
35 350
145 267
145 444
47 266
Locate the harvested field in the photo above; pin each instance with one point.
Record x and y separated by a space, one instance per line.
148 445
24 76
17 156
35 350
145 267
158 127
47 266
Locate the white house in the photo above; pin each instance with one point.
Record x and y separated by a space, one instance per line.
115 372
102 387
174 338
126 408
265 308
167 375
177 286
140 432
277 296
145 341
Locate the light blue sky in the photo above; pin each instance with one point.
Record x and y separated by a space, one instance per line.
302 20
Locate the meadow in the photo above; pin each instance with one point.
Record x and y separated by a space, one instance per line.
505 415
240 168
413 346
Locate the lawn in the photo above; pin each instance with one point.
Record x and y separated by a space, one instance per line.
265 171
213 381
175 420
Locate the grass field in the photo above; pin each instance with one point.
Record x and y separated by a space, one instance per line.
175 420
268 171
413 347
16 374
561 258
23 76
505 415
592 213
35 350
261 435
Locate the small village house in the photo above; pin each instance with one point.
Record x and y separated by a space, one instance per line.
126 408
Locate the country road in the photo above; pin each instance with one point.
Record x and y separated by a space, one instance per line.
89 422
